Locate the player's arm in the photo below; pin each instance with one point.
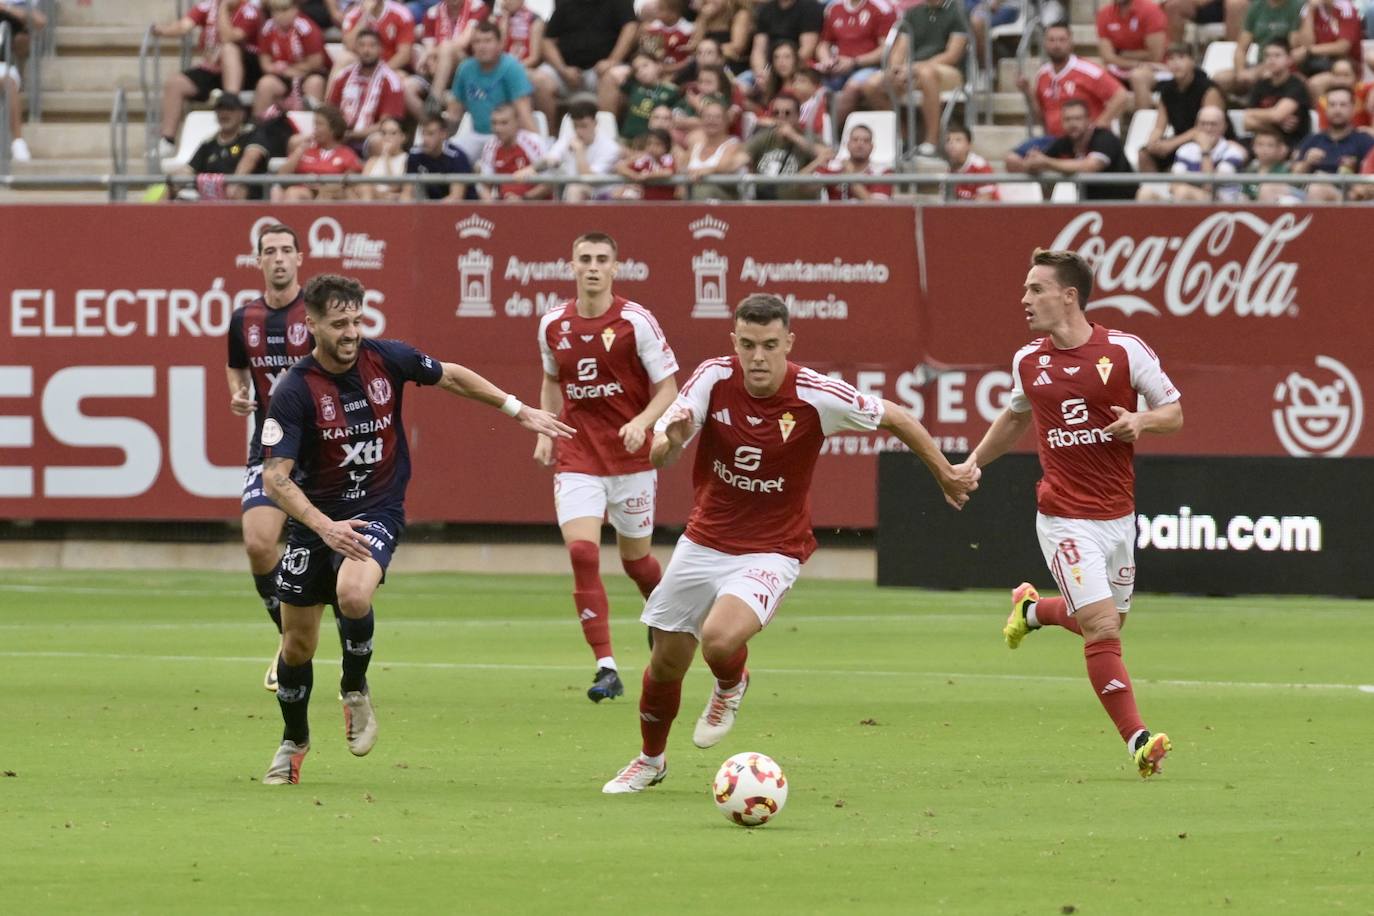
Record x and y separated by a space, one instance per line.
465 383
1001 436
668 444
342 537
957 483
174 29
634 432
239 400
551 400
1164 419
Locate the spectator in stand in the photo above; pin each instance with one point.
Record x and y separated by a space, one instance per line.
858 161
704 56
522 37
325 153
1338 150
226 57
986 14
25 19
438 155
1364 191
668 37
388 162
1266 21
10 84
1343 74
581 152
448 31
781 147
964 161
1180 100
1065 77
1331 31
292 59
393 25
937 49
583 40
510 151
327 14
1207 153
1130 40
486 81
220 155
850 51
777 22
274 138
367 91
714 152
809 89
1279 97
712 87
1271 158
654 161
783 67
645 92
1231 13
1084 149
729 24
418 9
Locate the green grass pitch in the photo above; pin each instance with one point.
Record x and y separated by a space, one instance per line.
932 770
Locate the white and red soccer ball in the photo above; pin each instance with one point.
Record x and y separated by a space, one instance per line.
750 789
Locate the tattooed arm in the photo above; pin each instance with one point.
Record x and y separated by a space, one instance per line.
341 537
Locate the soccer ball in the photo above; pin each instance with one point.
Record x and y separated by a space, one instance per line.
750 789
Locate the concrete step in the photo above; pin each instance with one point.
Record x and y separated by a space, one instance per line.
1081 11
49 141
137 13
994 141
90 105
105 40
91 74
64 167
53 196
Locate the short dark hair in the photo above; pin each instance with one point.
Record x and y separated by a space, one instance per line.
335 119
327 288
1073 103
662 136
960 129
596 238
762 308
1071 270
1278 41
1181 48
1061 24
1268 130
862 127
1346 89
434 118
367 33
279 229
582 109
486 25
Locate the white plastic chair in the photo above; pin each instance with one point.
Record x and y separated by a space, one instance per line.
1020 192
1065 192
199 127
1221 55
541 8
541 124
606 126
883 125
1142 124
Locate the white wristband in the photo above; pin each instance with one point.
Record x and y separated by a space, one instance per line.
512 406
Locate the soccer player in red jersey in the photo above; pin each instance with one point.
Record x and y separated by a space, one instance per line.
335 458
1080 385
763 420
266 337
609 370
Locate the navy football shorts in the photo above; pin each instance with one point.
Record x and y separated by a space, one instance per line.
309 568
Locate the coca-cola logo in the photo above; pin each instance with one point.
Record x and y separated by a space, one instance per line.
1230 261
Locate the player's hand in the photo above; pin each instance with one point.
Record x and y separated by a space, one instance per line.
1126 427
633 435
544 423
343 538
679 427
543 451
241 404
962 480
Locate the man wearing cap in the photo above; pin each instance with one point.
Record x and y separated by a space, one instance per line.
220 154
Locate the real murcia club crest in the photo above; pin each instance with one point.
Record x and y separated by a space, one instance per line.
786 423
1104 368
608 338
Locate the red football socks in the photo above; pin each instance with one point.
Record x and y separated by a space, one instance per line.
729 672
645 572
1054 612
658 706
589 596
1112 684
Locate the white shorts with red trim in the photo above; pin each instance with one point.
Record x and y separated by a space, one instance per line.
628 497
698 576
1090 559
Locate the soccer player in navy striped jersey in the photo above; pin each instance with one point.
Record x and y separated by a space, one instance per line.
336 460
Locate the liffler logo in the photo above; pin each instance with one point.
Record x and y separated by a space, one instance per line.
1316 420
357 250
1208 269
474 270
709 269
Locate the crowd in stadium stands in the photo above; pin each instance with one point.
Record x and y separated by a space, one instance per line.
710 88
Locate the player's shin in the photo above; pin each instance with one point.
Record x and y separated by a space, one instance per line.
266 585
658 706
1054 612
589 599
294 683
728 671
645 572
356 635
1112 684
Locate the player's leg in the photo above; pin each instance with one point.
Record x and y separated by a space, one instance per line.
1146 748
631 512
580 501
295 680
262 527
357 583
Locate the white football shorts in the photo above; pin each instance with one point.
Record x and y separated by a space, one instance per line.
628 497
696 576
1090 559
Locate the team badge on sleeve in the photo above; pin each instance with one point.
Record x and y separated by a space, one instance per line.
271 432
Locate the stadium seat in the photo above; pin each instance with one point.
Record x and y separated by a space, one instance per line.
827 130
1021 192
1065 192
541 8
606 126
333 49
541 124
1237 118
883 124
1221 55
199 127
1142 124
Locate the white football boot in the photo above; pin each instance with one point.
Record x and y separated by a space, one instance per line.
719 717
286 764
637 776
360 722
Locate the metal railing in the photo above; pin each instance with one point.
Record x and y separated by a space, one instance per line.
6 60
119 140
150 85
42 46
906 103
186 44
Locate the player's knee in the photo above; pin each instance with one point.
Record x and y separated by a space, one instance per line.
297 648
354 600
1101 626
584 554
261 550
719 644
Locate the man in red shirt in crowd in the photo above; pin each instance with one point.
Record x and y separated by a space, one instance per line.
858 162
1079 386
509 150
1131 42
291 54
1331 31
367 90
964 161
392 23
226 57
850 51
763 420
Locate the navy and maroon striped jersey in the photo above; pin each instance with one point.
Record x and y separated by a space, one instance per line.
345 431
267 342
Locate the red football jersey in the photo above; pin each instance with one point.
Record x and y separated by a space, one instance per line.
858 30
205 14
444 24
668 43
753 468
1126 29
843 192
1087 473
1079 79
644 164
337 161
975 164
364 99
293 44
606 367
1339 21
518 27
499 159
395 26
